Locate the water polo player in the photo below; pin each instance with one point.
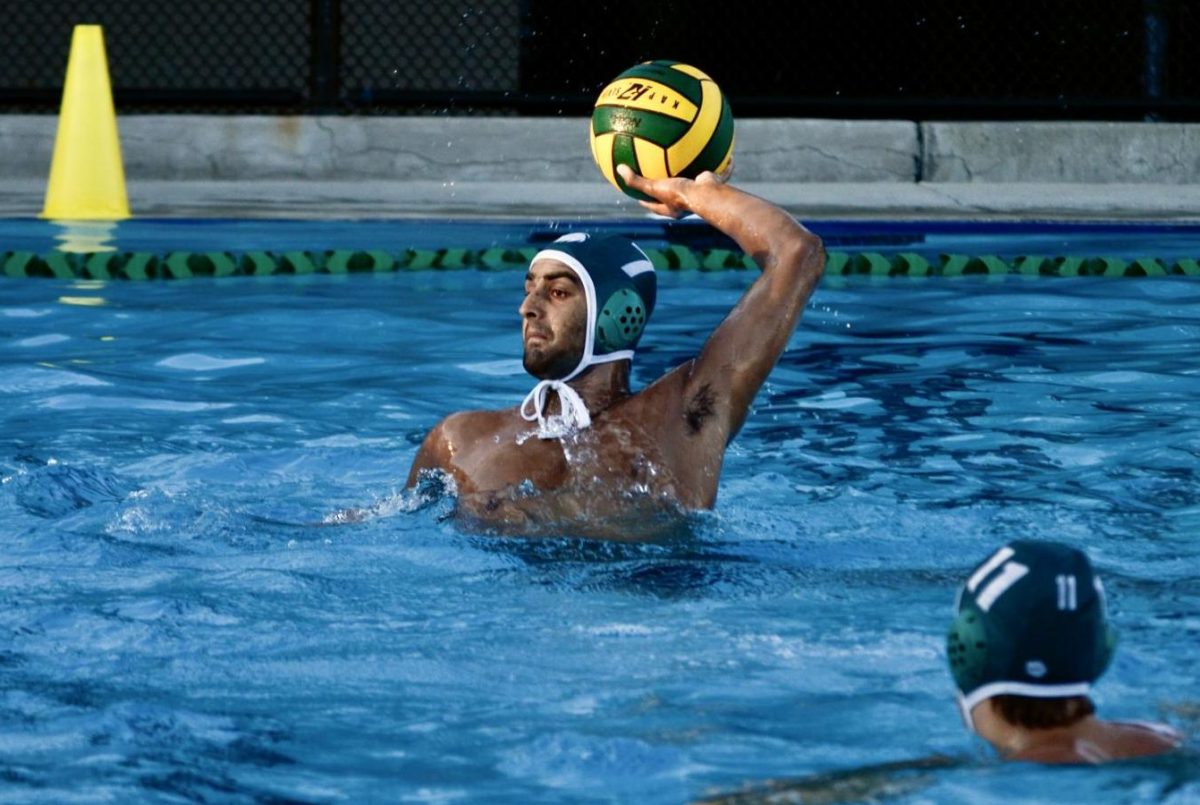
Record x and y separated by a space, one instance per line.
1029 639
584 453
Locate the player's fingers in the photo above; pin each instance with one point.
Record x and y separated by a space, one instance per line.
630 178
661 209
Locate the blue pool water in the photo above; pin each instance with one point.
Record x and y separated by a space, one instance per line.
929 238
176 625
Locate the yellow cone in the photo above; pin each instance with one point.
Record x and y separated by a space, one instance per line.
87 179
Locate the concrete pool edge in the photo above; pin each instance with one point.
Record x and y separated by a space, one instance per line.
386 167
597 200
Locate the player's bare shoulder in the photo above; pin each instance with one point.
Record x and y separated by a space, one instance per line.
458 435
1143 738
466 426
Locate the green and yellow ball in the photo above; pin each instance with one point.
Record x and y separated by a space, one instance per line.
662 119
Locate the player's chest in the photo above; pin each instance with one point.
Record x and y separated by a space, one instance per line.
611 455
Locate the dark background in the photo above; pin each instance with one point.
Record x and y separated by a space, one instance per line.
920 59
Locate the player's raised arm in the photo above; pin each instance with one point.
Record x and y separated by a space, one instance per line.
740 353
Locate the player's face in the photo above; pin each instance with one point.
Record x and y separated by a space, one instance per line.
553 318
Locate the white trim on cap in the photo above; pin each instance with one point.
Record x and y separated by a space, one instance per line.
966 704
1024 689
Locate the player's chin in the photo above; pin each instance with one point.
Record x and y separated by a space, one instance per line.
546 365
535 361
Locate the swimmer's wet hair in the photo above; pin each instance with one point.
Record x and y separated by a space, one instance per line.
1043 714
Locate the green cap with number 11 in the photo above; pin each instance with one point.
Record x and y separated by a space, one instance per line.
1030 621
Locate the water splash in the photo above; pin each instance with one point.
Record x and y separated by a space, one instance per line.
432 487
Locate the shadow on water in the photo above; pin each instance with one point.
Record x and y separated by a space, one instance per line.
123 744
690 560
192 756
51 490
865 784
1165 775
664 554
657 551
691 556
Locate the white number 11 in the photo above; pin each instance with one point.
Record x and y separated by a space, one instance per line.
1066 591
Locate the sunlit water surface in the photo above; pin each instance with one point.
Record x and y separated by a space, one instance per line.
173 624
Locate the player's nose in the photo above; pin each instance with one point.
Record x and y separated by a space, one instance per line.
530 307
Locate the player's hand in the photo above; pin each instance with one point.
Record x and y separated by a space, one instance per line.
724 175
671 194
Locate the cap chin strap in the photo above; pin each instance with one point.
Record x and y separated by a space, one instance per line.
574 416
964 710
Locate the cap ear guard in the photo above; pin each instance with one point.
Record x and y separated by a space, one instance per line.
967 648
621 321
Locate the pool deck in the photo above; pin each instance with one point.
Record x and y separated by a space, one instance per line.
194 166
596 200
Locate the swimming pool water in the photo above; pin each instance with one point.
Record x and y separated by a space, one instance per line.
176 624
1129 240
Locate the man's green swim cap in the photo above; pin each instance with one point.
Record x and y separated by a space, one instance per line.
1030 621
620 284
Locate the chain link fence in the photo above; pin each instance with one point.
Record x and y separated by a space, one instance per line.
162 55
405 53
920 59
